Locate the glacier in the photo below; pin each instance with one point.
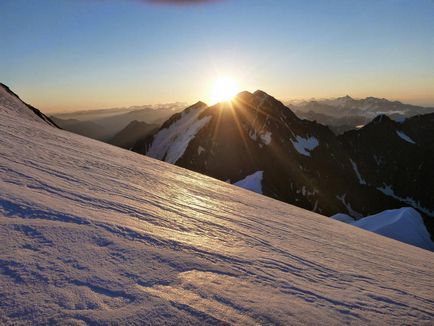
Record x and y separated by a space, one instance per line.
93 234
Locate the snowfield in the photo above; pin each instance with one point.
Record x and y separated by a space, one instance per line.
404 224
93 234
252 182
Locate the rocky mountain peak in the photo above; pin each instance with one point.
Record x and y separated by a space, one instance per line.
382 118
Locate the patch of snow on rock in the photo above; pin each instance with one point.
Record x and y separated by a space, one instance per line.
305 145
252 135
405 137
266 138
348 206
200 150
356 170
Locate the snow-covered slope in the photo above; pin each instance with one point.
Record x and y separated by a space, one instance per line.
170 143
10 103
90 233
252 182
404 224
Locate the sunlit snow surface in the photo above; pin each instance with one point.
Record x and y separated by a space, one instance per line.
90 233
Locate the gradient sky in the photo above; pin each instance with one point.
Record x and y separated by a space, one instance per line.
82 54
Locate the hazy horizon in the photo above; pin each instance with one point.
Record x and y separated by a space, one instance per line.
67 55
186 104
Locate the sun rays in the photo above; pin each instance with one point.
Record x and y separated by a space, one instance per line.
224 89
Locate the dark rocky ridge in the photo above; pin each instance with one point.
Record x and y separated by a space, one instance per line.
255 132
397 158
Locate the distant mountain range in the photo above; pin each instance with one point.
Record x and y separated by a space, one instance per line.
132 133
345 113
370 107
105 124
85 128
257 142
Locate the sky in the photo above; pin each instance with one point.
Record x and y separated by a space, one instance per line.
64 55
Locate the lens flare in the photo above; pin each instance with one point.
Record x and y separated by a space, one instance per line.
224 89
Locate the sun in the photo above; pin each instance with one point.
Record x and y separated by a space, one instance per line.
224 89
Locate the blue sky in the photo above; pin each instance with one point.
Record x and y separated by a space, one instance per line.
81 54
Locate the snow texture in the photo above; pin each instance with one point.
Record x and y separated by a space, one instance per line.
93 234
252 182
169 144
305 145
405 137
10 104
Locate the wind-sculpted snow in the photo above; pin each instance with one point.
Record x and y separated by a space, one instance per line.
93 234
